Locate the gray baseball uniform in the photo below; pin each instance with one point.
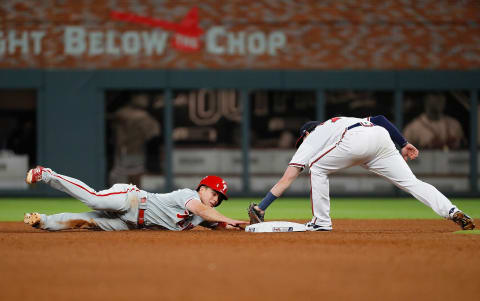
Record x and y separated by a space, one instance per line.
117 208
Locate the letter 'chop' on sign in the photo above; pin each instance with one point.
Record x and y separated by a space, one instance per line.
187 32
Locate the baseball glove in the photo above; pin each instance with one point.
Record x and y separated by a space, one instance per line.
256 216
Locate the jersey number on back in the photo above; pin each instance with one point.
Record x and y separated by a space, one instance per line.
333 120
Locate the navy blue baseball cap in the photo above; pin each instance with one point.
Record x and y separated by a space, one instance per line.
307 127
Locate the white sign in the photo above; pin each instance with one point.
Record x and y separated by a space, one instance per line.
79 41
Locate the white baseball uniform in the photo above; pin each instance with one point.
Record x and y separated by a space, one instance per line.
333 146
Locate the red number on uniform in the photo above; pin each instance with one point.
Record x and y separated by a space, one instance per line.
183 216
332 119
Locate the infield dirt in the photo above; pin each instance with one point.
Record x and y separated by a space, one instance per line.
359 260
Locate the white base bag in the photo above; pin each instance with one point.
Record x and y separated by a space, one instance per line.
279 226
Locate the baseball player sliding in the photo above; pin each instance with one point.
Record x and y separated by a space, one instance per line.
125 207
341 142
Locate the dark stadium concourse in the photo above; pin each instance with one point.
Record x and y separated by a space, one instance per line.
70 110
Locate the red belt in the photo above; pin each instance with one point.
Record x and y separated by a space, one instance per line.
141 212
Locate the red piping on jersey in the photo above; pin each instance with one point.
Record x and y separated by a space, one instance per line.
311 198
329 149
323 155
187 202
94 193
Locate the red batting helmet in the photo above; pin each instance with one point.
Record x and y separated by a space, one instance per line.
216 183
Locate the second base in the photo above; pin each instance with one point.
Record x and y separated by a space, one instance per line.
275 226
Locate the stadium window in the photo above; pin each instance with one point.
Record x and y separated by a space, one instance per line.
207 136
18 136
276 117
133 138
437 122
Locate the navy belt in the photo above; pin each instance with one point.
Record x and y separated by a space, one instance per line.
354 126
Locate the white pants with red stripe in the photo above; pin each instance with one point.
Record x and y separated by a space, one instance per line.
115 208
372 148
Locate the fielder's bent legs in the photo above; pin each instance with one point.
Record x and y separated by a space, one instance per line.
114 199
395 169
87 220
320 199
390 164
353 149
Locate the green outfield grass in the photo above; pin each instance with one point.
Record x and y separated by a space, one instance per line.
391 208
476 232
12 209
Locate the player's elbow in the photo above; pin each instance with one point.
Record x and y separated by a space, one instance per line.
288 178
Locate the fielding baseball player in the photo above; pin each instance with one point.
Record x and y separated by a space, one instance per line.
125 207
341 142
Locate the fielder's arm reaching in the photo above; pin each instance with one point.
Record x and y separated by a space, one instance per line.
291 173
211 215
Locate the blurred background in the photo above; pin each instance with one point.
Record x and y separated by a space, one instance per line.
162 93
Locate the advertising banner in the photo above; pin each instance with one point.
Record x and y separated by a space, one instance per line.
147 34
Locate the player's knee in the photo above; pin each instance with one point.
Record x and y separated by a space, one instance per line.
410 183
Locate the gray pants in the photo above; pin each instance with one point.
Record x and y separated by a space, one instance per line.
115 208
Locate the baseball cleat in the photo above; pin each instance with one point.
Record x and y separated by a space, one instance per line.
33 219
463 220
314 227
34 175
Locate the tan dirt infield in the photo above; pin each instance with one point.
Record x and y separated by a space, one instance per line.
359 260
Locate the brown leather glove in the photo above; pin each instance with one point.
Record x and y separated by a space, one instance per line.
256 216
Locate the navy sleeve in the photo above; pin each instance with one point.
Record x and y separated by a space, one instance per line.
395 134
